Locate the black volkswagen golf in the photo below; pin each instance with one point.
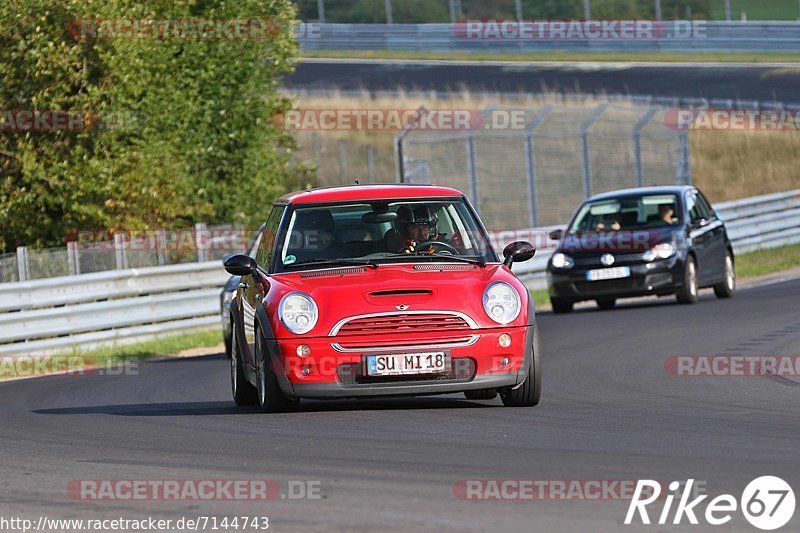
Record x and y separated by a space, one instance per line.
639 242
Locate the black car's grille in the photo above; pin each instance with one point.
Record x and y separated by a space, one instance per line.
353 374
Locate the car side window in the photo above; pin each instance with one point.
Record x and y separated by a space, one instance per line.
267 244
705 205
696 207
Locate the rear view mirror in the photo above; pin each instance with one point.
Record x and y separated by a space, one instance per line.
240 265
556 234
518 251
374 217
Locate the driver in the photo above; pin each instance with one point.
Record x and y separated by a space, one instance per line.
414 225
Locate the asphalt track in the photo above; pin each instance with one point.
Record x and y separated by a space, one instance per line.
777 82
609 411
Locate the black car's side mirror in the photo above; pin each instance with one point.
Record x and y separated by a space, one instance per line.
556 234
241 265
518 251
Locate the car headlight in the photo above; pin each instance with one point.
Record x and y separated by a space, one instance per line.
298 312
562 261
501 302
659 251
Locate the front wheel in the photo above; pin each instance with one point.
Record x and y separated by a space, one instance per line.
727 287
687 294
270 397
527 394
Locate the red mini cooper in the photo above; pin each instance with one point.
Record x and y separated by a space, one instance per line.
377 290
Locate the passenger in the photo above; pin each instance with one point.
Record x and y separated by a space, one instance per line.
614 225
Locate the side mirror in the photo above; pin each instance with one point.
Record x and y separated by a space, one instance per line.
556 234
241 265
518 251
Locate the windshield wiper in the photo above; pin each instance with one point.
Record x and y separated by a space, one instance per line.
321 261
438 255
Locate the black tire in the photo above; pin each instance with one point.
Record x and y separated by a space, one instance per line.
561 306
270 397
243 392
607 303
529 393
727 287
227 340
483 394
688 292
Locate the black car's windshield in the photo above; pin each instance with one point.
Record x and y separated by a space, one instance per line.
374 233
627 213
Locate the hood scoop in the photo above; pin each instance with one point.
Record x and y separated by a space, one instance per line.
401 292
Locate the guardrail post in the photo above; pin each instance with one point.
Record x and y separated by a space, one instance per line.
472 173
587 166
73 258
120 252
637 145
199 234
23 266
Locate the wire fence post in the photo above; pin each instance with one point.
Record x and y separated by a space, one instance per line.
73 258
472 172
530 163
637 145
388 4
370 164
587 164
315 150
23 266
199 236
161 241
683 175
321 10
342 161
120 252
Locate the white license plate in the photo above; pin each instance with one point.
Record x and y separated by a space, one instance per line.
407 363
608 273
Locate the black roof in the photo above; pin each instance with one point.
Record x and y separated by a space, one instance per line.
639 191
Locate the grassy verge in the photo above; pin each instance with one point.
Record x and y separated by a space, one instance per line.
648 57
114 356
748 265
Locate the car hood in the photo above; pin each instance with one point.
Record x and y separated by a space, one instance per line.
586 244
395 288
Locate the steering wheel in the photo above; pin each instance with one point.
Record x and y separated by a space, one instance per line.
446 247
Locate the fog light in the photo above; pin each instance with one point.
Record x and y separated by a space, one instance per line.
504 340
504 361
303 350
306 371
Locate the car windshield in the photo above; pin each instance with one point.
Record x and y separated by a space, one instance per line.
374 233
628 213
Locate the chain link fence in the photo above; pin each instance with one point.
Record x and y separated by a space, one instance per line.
340 161
147 249
537 174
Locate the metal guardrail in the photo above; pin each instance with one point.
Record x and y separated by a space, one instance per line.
122 306
754 223
703 36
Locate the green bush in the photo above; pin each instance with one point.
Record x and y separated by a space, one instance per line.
198 141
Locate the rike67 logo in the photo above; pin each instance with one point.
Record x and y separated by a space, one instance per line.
767 503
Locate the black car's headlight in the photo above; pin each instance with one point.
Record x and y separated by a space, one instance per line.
298 312
663 250
560 260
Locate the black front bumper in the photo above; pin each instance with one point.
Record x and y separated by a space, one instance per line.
660 277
